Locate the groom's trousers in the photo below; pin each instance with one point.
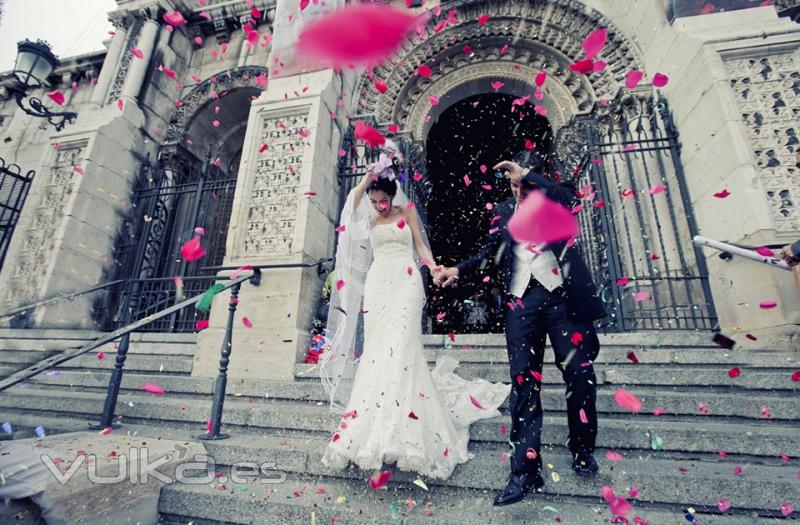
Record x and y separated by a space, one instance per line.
544 314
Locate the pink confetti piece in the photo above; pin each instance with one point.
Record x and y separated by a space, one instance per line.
379 479
764 251
56 96
246 321
380 86
358 34
626 400
582 414
724 505
595 42
368 134
613 456
339 285
152 388
734 372
633 78
137 53
767 305
483 19
424 71
101 355
722 194
539 79
475 402
201 325
434 100
641 296
540 110
192 250
541 220
401 224
497 85
622 281
660 80
737 470
786 508
658 188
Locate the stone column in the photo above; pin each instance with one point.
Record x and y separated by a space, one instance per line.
138 68
109 66
284 211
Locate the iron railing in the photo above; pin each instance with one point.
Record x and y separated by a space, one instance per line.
253 275
14 187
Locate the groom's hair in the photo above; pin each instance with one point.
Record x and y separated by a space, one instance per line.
531 160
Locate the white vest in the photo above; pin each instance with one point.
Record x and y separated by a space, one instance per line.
537 264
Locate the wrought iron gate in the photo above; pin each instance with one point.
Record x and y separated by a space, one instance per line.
14 187
636 231
169 203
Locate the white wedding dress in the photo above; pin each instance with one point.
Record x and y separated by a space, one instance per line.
399 410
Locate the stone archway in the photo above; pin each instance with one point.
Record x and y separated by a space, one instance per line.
520 39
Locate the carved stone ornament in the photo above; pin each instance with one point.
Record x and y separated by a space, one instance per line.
535 36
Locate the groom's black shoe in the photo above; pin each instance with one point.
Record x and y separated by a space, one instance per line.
584 464
519 485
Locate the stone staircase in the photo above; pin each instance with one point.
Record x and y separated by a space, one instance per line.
672 459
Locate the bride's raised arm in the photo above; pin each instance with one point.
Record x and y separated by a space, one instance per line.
361 189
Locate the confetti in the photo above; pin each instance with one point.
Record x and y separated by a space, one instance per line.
475 402
595 42
613 456
633 78
368 134
424 71
660 80
152 388
192 250
246 322
541 220
767 305
722 194
56 96
201 325
379 479
626 400
358 34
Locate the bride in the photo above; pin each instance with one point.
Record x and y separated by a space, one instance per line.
393 408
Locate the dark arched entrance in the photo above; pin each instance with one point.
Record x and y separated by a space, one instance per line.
477 131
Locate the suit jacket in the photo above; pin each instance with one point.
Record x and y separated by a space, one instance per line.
582 301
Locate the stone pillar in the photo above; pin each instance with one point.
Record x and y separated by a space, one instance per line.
138 68
109 66
275 219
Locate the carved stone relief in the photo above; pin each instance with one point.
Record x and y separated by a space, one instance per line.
124 63
768 91
42 232
272 207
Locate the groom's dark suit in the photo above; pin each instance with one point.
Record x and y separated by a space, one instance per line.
561 313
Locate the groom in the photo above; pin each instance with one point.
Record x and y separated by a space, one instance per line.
550 293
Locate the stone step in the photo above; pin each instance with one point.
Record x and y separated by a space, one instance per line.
662 482
142 347
655 338
313 499
700 378
620 431
173 364
88 335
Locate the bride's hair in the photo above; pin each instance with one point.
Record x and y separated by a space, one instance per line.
389 187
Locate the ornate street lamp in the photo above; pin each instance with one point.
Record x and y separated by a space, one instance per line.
35 63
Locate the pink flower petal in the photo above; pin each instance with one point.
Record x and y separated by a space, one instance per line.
641 296
541 76
595 42
724 504
660 80
174 18
424 71
434 100
497 85
582 66
246 322
483 19
658 188
541 220
613 456
200 325
767 305
192 250
380 86
734 372
358 34
401 224
608 493
56 96
786 508
475 402
584 419
339 285
379 479
633 78
369 135
152 388
722 194
626 400
620 507
540 110
766 252
137 53
622 281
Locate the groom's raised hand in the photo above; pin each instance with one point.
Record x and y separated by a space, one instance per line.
514 170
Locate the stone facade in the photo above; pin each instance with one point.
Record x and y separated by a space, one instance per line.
204 87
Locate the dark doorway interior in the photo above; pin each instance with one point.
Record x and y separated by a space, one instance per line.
480 130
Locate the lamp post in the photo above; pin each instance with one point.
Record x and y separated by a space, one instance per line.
35 62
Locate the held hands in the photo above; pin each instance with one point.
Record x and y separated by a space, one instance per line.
446 277
788 255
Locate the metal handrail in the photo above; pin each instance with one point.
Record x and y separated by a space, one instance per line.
59 298
115 381
68 355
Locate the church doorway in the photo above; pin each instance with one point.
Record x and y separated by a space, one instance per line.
466 141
